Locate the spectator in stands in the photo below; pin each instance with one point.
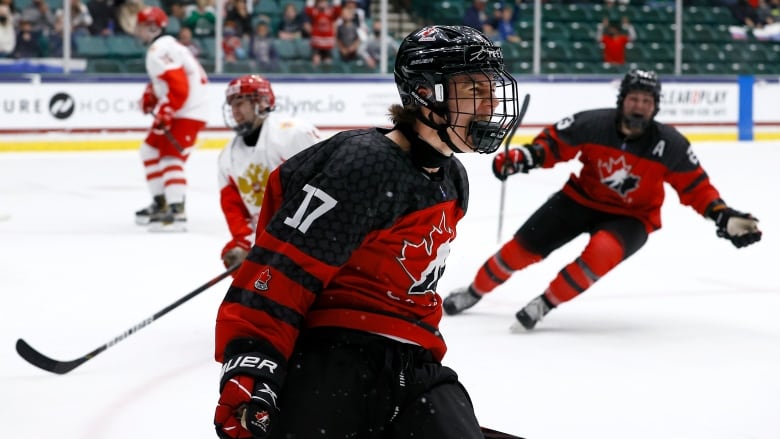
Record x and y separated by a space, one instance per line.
476 16
177 16
348 39
52 46
239 13
504 24
80 18
232 43
746 19
39 17
28 41
614 39
126 14
185 38
294 24
374 45
323 17
102 17
770 15
261 48
201 18
7 31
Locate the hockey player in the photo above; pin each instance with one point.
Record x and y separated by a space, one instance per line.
176 96
263 141
330 328
627 157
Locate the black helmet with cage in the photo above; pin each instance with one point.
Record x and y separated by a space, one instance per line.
642 80
638 80
428 60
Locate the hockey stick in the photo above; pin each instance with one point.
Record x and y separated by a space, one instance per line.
520 116
62 367
493 434
173 141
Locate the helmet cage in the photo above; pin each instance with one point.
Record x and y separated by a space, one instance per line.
432 60
255 89
640 80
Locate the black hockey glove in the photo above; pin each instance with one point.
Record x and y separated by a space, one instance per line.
249 388
739 228
521 159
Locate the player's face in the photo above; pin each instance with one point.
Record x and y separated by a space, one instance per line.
472 97
245 109
639 103
145 33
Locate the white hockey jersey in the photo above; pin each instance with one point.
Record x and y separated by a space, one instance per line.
244 170
178 78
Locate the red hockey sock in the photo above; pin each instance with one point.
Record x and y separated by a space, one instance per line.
500 266
603 253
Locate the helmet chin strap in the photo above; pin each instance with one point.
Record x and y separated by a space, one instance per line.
423 155
441 130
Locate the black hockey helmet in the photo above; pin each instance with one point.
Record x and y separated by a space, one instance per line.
643 80
430 56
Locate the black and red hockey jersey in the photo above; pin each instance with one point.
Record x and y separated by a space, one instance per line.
353 235
622 176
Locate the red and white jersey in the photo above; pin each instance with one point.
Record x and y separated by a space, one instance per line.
244 170
178 78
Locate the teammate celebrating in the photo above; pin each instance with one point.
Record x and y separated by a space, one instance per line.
627 157
263 141
176 95
330 327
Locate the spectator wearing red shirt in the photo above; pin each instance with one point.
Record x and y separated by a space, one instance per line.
323 17
614 40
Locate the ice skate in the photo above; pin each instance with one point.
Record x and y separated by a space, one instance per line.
530 315
152 213
460 300
172 219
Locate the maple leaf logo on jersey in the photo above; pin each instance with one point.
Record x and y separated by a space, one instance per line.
616 174
262 280
424 261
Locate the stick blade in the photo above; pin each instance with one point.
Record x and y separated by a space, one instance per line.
42 361
495 434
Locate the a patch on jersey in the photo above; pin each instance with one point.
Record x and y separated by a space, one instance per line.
261 283
616 175
251 185
424 261
564 123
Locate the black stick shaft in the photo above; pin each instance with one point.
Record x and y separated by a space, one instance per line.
62 367
520 116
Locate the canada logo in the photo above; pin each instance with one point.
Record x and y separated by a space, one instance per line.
262 280
424 261
616 174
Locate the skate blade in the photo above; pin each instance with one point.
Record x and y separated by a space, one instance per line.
175 227
518 328
142 220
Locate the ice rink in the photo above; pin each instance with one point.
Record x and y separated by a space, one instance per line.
682 341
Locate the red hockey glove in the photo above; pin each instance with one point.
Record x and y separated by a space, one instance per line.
163 119
739 228
519 159
235 251
148 100
247 402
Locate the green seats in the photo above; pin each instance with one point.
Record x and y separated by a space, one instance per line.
88 46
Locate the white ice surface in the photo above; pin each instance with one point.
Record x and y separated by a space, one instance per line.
681 341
